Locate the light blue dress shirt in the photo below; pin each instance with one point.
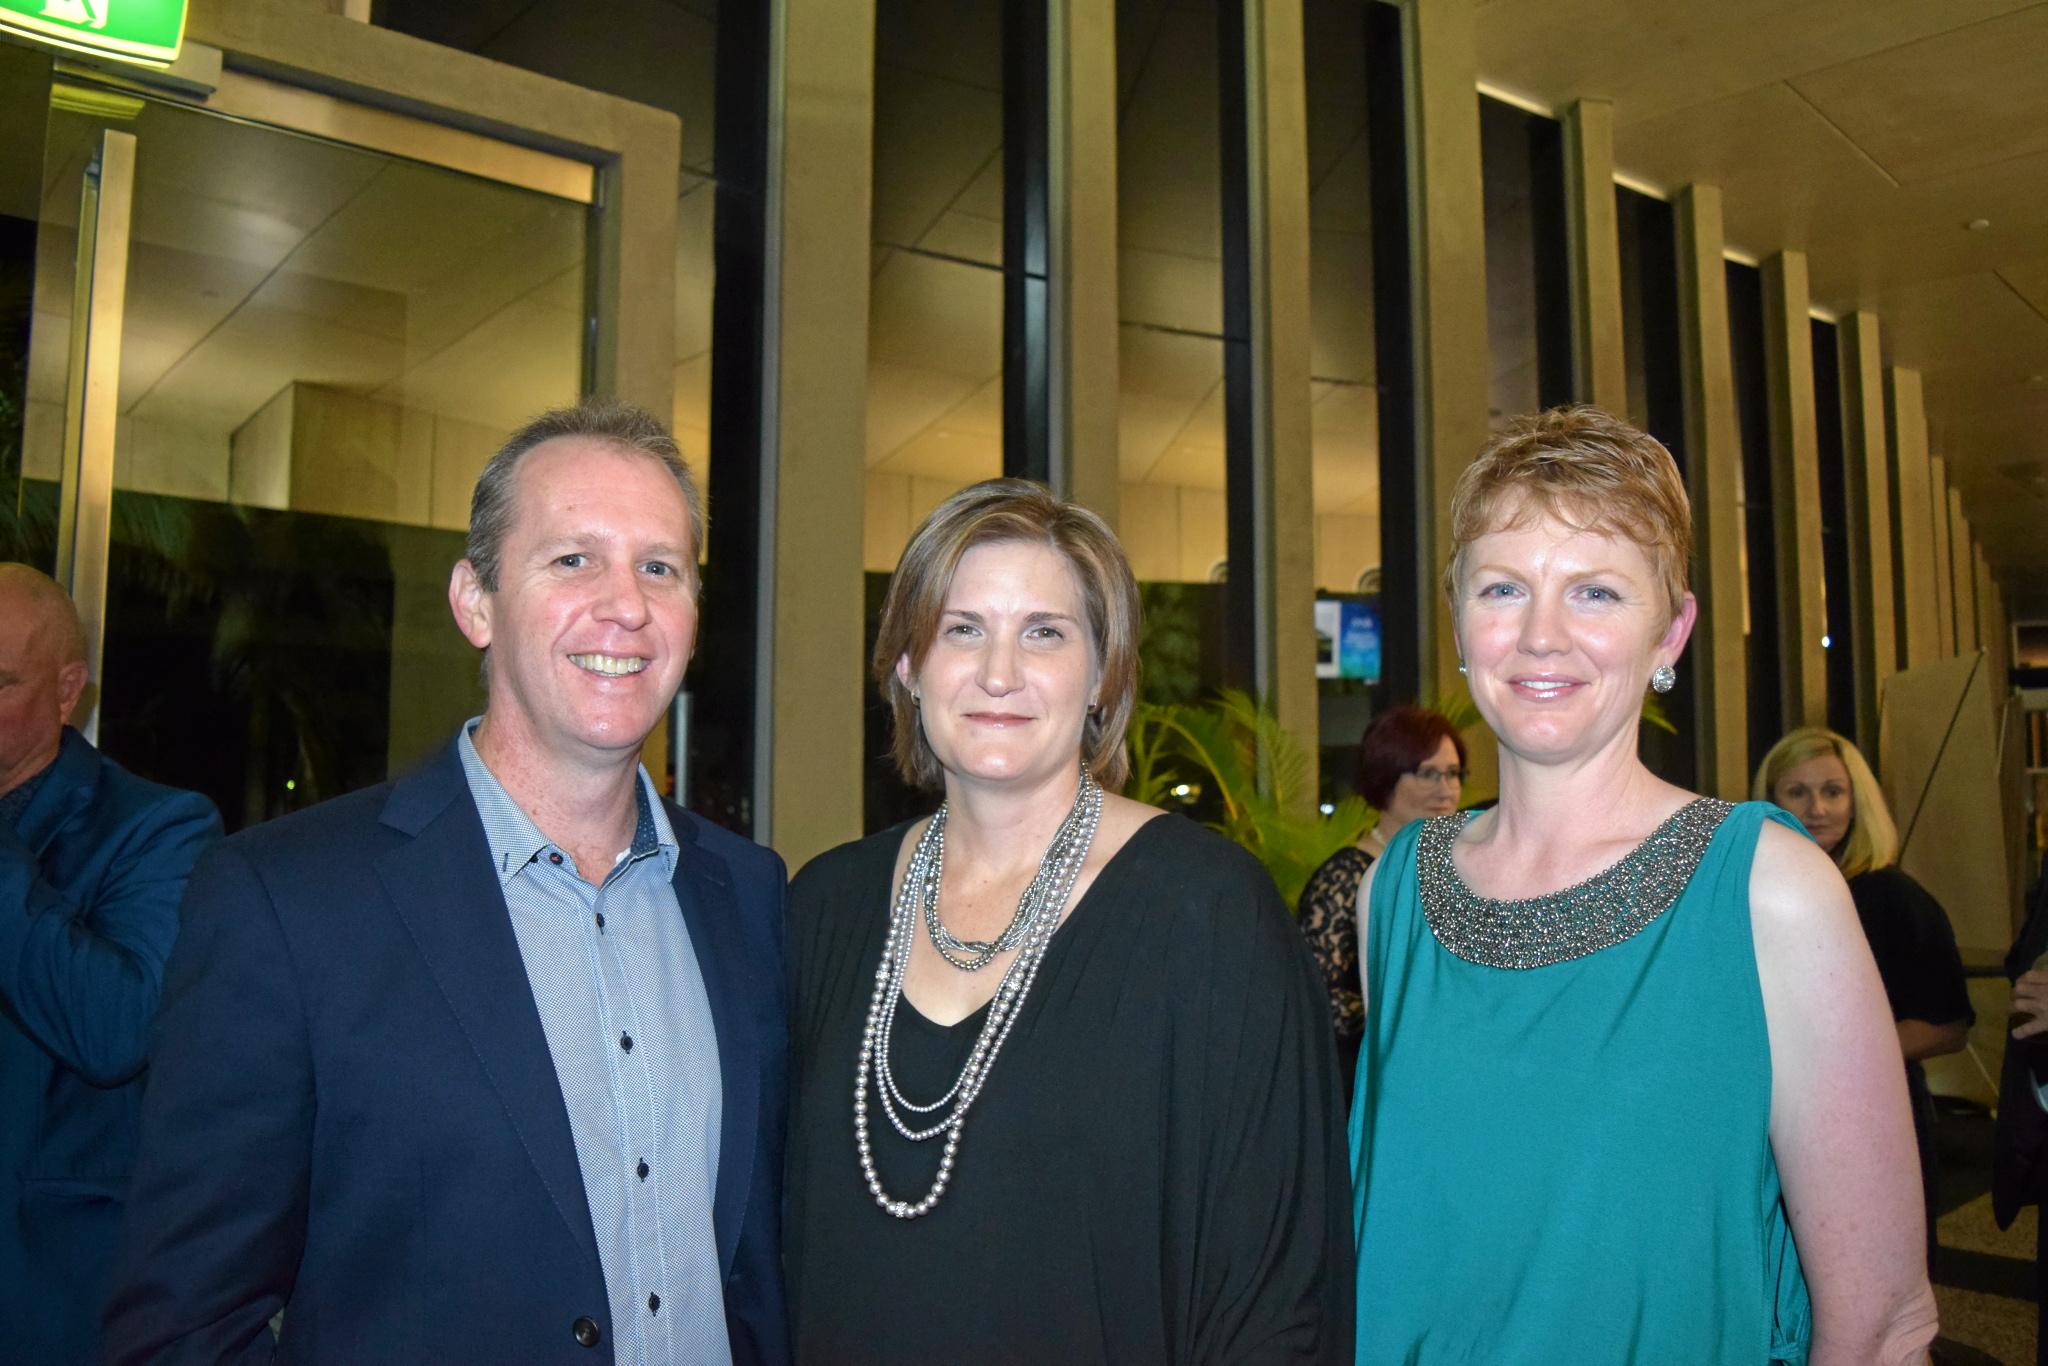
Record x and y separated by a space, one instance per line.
623 1007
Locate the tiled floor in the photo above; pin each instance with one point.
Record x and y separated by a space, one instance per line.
1984 1277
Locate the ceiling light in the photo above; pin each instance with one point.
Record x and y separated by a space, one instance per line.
1978 224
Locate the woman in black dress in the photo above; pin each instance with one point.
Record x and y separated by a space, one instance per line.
1062 1085
1824 780
1411 766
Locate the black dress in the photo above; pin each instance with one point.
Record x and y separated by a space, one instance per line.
1915 948
1156 1171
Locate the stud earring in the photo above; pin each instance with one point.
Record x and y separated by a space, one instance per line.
917 699
1461 666
1663 678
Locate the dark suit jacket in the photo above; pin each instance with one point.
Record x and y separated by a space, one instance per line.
2019 1154
354 1116
90 878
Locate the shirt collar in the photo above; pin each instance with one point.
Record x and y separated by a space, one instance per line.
516 841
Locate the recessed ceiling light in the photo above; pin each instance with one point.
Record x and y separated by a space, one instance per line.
1978 224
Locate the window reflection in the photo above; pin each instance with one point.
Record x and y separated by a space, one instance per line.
935 330
1647 233
1759 546
1527 292
321 347
1344 366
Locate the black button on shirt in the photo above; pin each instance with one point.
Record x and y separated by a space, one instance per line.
555 858
641 1171
586 1331
626 1042
654 1304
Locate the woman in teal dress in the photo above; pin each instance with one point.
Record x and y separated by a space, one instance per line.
1629 1090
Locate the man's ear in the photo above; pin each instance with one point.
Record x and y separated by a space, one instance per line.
70 687
470 604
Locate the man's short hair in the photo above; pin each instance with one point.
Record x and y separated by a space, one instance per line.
621 425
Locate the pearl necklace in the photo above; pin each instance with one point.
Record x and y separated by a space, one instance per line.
1030 930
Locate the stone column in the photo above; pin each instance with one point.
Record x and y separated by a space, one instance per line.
1719 656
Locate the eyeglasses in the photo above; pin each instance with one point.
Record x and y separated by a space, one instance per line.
1440 775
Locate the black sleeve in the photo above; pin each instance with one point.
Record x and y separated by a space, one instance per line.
1329 921
1263 1236
1915 947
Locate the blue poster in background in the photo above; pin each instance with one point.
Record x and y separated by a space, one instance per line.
1348 638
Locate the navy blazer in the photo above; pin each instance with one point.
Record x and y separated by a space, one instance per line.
90 877
353 1115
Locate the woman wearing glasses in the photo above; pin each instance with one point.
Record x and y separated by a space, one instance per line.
1411 766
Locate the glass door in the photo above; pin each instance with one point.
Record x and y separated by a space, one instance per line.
264 423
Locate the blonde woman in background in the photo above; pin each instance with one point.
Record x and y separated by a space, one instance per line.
1823 779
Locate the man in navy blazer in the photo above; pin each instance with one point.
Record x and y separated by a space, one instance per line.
92 863
486 1064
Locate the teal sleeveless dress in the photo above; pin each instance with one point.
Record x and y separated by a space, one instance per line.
1570 1163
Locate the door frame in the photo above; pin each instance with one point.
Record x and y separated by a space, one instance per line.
346 81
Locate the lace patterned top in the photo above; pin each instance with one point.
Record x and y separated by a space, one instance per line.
1329 921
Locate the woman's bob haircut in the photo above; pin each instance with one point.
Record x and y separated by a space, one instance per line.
1012 510
1591 471
1873 838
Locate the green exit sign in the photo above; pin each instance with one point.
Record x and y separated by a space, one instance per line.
145 31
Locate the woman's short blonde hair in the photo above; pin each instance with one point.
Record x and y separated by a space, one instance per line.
1589 470
1873 838
1012 510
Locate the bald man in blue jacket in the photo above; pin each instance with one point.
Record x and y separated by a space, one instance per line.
93 862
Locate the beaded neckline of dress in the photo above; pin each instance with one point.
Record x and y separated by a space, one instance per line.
1606 909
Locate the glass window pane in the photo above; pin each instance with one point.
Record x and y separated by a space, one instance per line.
936 301
1759 545
674 55
1836 598
1527 300
935 331
1648 238
27 504
1345 384
322 345
1171 349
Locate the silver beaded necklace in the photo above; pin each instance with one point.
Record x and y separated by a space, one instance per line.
1607 908
1030 931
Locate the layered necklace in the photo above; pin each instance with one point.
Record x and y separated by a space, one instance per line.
1029 932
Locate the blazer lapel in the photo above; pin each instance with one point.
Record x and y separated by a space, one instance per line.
67 788
711 913
442 885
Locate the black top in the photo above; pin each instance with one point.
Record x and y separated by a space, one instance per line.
1914 946
1329 921
1156 1170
